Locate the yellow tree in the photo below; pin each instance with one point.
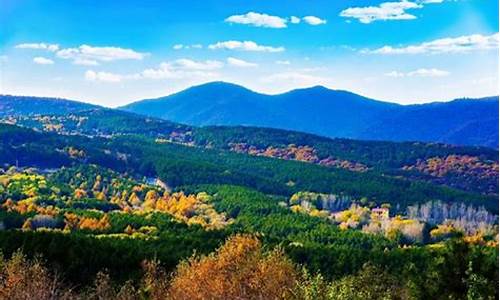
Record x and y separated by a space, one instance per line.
27 225
134 199
150 200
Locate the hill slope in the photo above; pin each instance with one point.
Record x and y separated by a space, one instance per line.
26 105
330 113
473 169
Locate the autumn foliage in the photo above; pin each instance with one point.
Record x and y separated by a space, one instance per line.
238 270
21 278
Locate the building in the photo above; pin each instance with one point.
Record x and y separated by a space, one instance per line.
380 213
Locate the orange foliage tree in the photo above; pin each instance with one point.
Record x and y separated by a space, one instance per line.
238 270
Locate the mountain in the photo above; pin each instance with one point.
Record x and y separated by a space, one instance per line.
216 103
26 105
316 110
331 113
463 121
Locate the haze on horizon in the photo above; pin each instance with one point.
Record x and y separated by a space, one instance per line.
115 53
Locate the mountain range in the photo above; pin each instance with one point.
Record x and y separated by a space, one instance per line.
331 113
317 110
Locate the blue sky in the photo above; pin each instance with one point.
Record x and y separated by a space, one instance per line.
114 52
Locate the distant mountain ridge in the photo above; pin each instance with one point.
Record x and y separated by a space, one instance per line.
316 110
330 113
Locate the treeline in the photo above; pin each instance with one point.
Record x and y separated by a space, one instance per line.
98 122
467 218
243 268
373 153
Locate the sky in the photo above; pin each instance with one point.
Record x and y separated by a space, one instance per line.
114 52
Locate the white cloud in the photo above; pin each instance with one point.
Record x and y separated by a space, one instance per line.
460 44
244 46
258 20
188 64
240 63
43 61
385 11
102 76
294 20
312 20
86 53
265 20
181 68
428 73
177 69
419 73
41 46
282 62
181 46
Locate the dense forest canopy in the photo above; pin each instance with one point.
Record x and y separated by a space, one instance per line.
122 206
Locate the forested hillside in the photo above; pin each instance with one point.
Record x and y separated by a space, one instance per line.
124 206
473 169
26 105
330 113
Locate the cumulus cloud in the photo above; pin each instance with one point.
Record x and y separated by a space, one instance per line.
40 46
265 20
88 55
312 20
258 20
182 68
385 11
43 61
244 46
419 73
177 69
466 43
240 63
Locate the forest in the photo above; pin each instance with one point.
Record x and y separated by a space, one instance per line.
110 205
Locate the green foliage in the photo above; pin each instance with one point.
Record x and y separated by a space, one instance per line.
247 189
